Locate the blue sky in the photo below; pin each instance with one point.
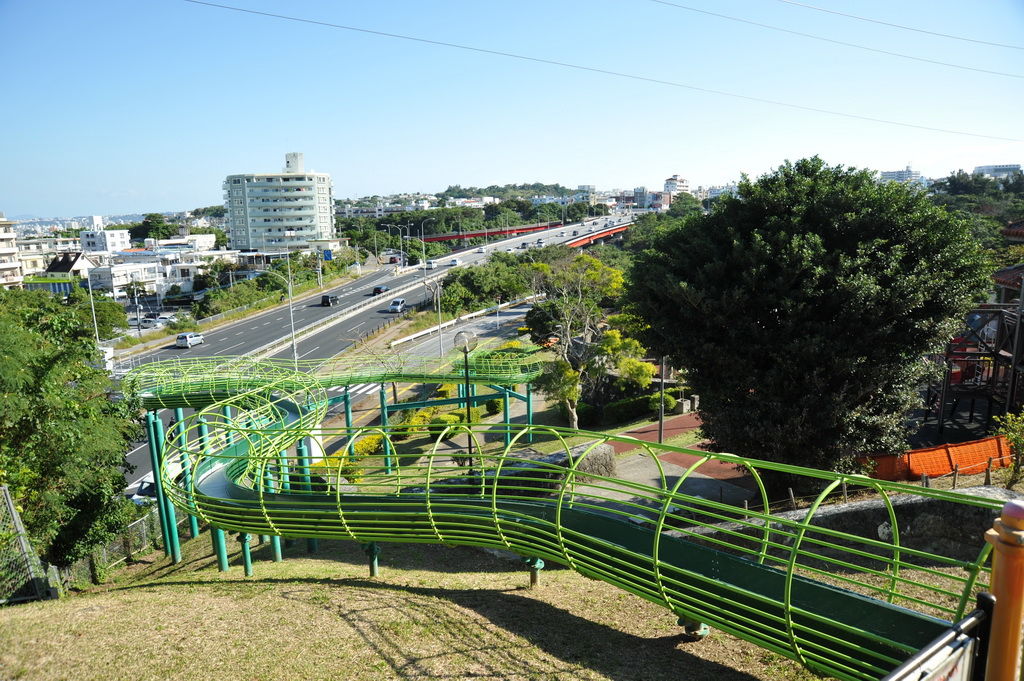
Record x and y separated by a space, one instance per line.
122 106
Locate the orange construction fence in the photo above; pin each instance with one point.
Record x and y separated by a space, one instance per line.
972 457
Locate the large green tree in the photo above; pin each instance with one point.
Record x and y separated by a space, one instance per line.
63 434
801 308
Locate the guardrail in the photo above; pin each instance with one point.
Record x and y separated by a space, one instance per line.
330 321
462 318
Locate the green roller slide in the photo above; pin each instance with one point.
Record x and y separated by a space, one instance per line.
850 603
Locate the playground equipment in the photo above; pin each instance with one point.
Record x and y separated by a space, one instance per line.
255 458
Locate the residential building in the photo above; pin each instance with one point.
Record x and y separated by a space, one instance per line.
676 184
998 171
905 176
36 253
108 240
66 272
273 212
10 266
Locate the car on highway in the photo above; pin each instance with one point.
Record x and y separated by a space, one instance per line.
377 290
145 493
561 233
454 262
397 305
330 301
188 339
431 264
510 250
481 250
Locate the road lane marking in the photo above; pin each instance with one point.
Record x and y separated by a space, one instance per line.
306 353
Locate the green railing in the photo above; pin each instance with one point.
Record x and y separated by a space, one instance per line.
850 595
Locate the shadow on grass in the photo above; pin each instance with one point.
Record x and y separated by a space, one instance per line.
439 642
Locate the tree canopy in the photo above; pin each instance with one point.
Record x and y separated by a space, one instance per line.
801 308
62 434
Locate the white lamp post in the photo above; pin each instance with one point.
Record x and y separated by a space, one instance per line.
291 315
467 342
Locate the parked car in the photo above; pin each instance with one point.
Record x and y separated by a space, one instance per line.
377 290
167 318
330 301
188 339
147 323
145 493
397 305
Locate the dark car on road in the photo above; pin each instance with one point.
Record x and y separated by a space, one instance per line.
377 290
330 301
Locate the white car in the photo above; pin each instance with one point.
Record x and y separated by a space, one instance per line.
455 262
397 305
481 250
188 339
145 493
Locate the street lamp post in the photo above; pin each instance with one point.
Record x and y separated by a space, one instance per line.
467 342
291 314
92 306
423 245
436 288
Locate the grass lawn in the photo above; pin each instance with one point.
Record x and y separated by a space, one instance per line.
435 612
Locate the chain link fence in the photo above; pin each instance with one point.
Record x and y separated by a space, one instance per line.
22 577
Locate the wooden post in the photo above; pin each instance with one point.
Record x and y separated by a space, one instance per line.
1007 540
956 474
988 472
846 499
792 499
924 480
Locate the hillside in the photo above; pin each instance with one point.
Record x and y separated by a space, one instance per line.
434 613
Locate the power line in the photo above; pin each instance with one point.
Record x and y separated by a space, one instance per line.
837 42
905 28
617 74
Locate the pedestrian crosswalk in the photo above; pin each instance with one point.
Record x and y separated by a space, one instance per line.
354 391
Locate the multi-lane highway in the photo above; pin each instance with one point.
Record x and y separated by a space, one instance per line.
338 327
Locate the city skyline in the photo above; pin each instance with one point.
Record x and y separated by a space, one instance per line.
126 108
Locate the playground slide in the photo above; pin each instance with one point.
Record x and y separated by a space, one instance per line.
818 595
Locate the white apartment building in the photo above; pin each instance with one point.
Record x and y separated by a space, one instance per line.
10 266
108 240
279 212
906 176
675 184
998 171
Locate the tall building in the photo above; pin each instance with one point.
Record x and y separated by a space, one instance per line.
283 211
108 240
908 175
10 266
998 171
676 184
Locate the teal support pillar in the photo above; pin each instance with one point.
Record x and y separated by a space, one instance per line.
220 548
285 471
270 486
181 440
301 481
372 551
312 545
694 628
246 554
535 565
384 425
154 459
529 412
348 410
506 416
229 436
172 518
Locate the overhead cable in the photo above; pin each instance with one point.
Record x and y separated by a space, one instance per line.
837 42
905 28
591 69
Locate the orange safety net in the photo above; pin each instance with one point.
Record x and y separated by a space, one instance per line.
972 457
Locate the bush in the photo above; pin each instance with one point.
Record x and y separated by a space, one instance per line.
654 402
414 423
442 421
628 409
446 390
493 406
368 445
